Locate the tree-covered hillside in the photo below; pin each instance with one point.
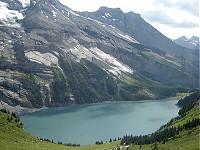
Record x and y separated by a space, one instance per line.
181 132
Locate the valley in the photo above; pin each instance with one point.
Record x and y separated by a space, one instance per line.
187 138
107 77
52 56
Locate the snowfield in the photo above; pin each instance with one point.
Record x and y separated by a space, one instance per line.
25 3
8 17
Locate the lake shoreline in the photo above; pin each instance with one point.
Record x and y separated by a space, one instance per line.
19 110
141 101
85 124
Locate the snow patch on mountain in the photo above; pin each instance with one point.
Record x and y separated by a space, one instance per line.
25 3
8 17
107 15
95 20
192 43
115 30
128 38
54 13
104 17
78 52
34 2
75 14
116 66
108 62
112 26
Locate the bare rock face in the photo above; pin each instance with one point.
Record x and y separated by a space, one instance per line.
135 26
58 57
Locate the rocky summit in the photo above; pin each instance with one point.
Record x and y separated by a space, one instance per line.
53 56
192 43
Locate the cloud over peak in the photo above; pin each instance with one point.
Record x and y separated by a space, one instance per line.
172 14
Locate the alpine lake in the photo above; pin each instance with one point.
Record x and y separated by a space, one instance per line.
85 124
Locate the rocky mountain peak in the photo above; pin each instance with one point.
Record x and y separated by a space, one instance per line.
194 38
183 38
192 43
136 27
115 14
104 9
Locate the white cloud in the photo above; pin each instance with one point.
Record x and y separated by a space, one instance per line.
174 33
165 15
91 5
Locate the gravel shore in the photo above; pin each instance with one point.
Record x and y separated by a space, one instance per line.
18 110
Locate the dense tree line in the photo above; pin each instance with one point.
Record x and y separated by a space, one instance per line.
159 136
61 143
12 118
190 99
99 142
72 145
7 112
164 133
182 112
4 111
110 141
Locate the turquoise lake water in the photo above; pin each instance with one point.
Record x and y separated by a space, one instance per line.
88 123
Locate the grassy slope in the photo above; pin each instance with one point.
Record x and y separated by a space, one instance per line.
192 114
13 137
189 140
185 140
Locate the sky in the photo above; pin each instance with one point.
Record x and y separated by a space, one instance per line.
173 18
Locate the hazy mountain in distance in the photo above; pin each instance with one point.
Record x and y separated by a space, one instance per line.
192 43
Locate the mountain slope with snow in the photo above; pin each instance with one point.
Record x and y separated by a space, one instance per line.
135 26
192 43
56 56
9 17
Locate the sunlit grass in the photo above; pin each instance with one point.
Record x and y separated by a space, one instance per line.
181 95
186 140
13 137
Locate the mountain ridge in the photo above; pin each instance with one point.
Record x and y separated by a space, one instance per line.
192 43
58 57
139 30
